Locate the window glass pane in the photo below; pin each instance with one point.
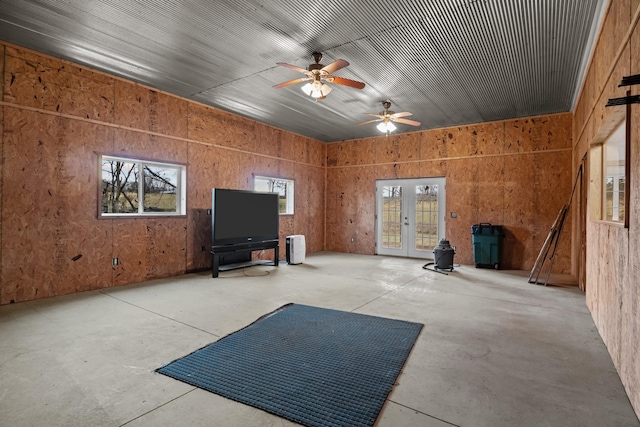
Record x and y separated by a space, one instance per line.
621 207
284 187
119 186
608 198
138 187
614 175
160 184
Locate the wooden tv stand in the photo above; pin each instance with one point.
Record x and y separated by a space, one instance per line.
216 251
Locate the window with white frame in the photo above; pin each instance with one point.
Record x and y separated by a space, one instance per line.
614 175
132 187
284 188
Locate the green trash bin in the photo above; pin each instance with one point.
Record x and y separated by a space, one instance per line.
487 245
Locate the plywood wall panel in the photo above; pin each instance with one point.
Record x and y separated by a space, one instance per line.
316 200
83 244
317 152
141 145
332 154
202 123
366 151
53 246
555 182
227 166
462 198
251 166
210 125
623 11
433 144
341 226
148 248
490 138
539 133
341 153
237 132
309 151
408 146
56 85
409 170
490 189
142 108
287 228
604 52
288 146
267 140
202 176
302 181
461 141
387 149
520 212
27 150
434 168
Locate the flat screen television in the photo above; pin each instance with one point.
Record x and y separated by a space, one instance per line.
243 217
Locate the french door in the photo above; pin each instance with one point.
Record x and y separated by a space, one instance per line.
410 216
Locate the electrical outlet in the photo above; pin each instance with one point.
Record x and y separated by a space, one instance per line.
114 261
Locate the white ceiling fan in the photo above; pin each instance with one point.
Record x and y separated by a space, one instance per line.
388 118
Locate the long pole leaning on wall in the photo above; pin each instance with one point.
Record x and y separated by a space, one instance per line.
553 238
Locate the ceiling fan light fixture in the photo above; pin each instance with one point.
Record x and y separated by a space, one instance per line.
307 89
316 89
386 127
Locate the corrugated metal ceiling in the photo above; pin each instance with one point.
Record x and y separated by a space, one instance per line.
448 62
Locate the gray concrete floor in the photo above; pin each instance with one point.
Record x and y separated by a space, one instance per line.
495 350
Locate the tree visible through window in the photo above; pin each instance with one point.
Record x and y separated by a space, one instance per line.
284 188
135 187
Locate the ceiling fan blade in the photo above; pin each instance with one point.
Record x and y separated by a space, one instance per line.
293 67
375 115
369 121
403 114
335 66
348 82
406 122
292 82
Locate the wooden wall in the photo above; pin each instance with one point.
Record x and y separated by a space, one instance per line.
515 173
612 264
57 117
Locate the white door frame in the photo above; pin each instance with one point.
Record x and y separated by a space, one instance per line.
407 217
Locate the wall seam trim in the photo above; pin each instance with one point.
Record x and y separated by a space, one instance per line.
161 135
476 156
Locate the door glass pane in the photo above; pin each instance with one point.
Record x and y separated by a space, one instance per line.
392 217
426 217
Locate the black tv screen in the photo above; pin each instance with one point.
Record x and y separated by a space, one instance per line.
241 216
